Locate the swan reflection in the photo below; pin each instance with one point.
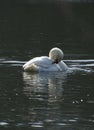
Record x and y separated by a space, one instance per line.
44 85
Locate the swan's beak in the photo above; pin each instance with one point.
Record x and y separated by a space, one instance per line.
55 61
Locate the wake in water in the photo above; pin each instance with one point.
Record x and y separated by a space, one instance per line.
80 65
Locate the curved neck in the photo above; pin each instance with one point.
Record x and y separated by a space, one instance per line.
63 65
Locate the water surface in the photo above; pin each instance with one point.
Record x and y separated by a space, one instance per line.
47 100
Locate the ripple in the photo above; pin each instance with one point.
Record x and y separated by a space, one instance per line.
21 124
37 124
4 123
87 60
62 124
72 120
91 102
49 121
91 120
82 65
12 63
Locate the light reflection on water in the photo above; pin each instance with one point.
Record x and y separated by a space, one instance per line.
48 100
45 80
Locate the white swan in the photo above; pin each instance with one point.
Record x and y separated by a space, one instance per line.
52 63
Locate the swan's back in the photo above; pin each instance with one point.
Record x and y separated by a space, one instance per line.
42 63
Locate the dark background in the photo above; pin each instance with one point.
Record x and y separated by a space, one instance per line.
24 24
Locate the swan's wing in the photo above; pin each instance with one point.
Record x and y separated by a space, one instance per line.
38 62
30 62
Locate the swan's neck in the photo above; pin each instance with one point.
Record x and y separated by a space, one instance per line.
63 66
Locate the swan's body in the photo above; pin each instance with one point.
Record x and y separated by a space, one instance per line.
44 63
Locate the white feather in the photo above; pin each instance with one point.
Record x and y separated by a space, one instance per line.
44 63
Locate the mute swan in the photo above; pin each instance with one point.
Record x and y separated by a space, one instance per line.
44 63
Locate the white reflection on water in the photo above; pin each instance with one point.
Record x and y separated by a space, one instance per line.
50 84
45 91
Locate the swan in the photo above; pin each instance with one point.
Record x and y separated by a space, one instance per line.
44 63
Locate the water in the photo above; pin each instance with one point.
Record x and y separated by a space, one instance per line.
46 101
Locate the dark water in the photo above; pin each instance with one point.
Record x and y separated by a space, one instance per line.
46 101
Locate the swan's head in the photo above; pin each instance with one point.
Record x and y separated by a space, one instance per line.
56 55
